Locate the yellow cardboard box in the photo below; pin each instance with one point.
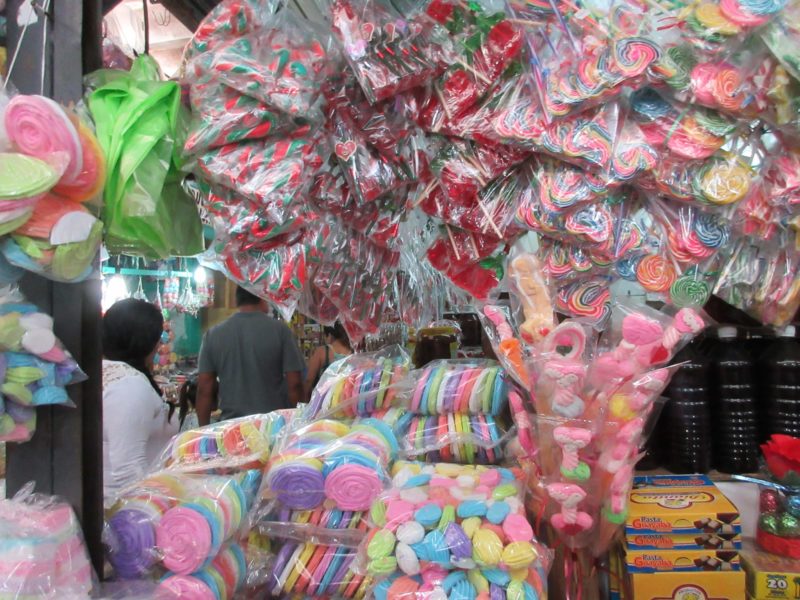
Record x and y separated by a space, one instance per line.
683 541
647 561
682 505
770 577
727 585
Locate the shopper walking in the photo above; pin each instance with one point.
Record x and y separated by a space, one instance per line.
243 362
137 422
337 345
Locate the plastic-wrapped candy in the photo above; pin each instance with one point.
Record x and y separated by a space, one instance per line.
35 366
43 554
279 64
179 520
453 529
235 444
330 460
225 574
387 53
359 384
468 260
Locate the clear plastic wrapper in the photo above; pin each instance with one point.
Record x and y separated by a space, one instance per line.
329 460
223 115
280 64
222 578
230 18
355 275
179 521
274 173
387 53
507 346
235 444
43 552
563 261
530 291
761 278
458 386
445 526
310 570
370 168
478 201
469 260
588 298
454 437
378 220
35 367
359 384
486 44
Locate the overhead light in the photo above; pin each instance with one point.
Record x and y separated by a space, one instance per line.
200 276
114 290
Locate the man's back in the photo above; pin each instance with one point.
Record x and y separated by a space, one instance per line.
250 352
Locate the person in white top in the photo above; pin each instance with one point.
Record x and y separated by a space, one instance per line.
137 422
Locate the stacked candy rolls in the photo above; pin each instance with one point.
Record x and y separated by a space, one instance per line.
459 386
34 366
218 581
460 438
42 554
359 384
329 526
458 411
130 535
457 530
330 460
240 444
305 569
191 534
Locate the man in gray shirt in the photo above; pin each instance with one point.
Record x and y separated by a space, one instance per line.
246 359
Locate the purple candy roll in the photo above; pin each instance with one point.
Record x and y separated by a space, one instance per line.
297 485
132 543
496 592
451 389
458 542
280 562
18 412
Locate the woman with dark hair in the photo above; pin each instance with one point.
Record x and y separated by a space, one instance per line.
337 346
136 419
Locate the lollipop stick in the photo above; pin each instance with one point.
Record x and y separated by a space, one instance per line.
453 242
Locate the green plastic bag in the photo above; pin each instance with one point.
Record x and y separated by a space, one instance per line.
141 127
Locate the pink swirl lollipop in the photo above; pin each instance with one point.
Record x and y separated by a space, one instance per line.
353 487
185 587
39 127
185 538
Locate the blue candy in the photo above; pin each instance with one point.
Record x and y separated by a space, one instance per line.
498 512
452 580
506 474
428 515
471 508
497 576
417 480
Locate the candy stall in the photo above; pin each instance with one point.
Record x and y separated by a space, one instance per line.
562 236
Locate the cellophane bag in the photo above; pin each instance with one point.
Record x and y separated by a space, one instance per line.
359 385
177 523
43 554
454 528
35 366
227 446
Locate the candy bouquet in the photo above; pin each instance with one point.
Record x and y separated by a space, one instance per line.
52 167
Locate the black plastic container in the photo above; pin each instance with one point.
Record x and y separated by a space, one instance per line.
779 369
733 409
686 423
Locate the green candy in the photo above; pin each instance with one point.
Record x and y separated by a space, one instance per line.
515 591
769 523
378 513
788 525
24 176
501 492
382 566
381 545
448 516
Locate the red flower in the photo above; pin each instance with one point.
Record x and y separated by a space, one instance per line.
782 453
